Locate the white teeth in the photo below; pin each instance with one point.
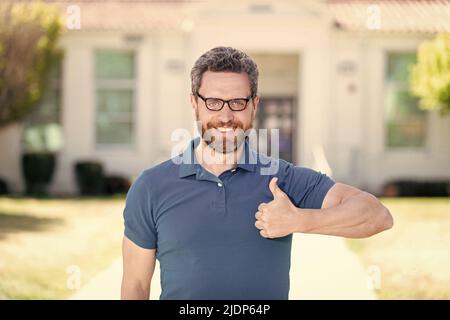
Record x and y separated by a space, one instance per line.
221 129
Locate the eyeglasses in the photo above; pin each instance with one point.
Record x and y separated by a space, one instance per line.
216 104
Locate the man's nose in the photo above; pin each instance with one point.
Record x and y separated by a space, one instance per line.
226 114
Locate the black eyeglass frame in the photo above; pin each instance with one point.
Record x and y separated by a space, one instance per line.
205 100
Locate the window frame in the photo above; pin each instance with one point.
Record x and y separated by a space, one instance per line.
116 84
399 85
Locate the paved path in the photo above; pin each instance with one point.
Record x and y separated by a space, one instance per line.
321 268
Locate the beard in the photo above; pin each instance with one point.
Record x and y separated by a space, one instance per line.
223 142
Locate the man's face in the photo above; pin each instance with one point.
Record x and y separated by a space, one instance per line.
224 130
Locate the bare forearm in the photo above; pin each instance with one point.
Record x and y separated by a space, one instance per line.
359 216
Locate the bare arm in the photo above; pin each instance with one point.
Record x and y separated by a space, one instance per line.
346 212
138 267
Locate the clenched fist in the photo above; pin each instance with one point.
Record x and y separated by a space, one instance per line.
279 217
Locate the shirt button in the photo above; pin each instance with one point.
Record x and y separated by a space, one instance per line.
219 184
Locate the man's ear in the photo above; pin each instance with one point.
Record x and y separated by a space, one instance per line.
255 103
193 99
194 104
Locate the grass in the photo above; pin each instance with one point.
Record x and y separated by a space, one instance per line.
414 256
41 238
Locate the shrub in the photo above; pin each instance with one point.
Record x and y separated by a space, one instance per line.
37 170
117 184
3 187
89 177
409 188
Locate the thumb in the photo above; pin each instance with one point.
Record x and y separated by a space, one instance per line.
276 191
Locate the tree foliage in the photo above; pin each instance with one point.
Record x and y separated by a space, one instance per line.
430 76
29 34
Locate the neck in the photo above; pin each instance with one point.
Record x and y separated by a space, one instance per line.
217 162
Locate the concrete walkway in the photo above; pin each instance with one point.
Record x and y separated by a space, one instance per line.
321 268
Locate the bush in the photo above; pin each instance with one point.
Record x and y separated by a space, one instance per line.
409 188
37 170
89 177
117 185
29 34
3 187
430 77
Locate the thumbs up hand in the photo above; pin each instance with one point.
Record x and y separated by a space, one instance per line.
278 217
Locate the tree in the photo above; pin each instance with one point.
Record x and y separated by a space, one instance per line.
29 33
430 76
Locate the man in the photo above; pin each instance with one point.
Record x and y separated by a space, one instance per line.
220 226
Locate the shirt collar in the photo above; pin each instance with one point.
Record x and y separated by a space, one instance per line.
190 166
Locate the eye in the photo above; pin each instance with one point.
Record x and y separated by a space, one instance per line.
214 103
238 103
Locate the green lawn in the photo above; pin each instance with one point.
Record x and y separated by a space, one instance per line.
40 239
414 256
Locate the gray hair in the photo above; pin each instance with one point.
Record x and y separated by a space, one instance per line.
224 59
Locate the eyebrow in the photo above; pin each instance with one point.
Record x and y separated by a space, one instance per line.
210 97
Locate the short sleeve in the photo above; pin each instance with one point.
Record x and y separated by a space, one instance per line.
306 187
138 218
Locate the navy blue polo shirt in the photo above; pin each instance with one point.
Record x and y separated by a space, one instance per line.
203 226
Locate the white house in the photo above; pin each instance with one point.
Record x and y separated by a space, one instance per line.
333 76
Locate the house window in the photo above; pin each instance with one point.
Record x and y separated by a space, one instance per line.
42 128
115 97
405 123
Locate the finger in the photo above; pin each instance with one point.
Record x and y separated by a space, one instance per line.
261 206
263 234
259 225
273 186
275 189
260 216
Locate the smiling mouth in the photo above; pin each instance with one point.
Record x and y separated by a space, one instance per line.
224 129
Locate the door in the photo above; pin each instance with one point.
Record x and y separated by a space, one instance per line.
277 113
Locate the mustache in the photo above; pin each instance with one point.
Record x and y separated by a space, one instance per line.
230 124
